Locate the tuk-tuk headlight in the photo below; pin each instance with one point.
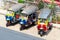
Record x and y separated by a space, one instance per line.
21 23
7 19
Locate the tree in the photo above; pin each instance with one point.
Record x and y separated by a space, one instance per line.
21 1
52 7
41 4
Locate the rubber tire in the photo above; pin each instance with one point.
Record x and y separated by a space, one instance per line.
7 25
41 33
50 27
33 23
22 27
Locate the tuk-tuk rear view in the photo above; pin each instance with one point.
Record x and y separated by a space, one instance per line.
44 21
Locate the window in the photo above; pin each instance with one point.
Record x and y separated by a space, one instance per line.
22 14
42 20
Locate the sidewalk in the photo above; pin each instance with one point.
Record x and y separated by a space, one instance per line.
3 12
56 26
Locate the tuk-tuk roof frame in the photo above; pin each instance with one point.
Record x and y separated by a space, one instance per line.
16 7
44 13
30 9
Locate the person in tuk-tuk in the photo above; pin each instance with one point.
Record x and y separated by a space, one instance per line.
9 17
23 19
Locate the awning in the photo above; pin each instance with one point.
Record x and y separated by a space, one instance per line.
48 1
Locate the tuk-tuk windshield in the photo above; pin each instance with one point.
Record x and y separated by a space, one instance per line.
42 20
10 13
23 16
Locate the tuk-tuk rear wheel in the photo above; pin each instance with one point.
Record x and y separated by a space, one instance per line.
50 27
41 33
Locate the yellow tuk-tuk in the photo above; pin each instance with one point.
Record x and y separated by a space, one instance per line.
44 21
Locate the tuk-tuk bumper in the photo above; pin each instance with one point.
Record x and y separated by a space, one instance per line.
39 27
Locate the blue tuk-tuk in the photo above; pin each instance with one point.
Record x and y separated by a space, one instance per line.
12 17
28 17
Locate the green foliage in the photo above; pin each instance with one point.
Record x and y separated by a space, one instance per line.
58 18
41 5
52 5
20 1
54 18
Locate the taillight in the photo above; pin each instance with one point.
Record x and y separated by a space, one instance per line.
44 27
39 26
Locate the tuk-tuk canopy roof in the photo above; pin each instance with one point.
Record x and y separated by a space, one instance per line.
44 13
30 9
16 7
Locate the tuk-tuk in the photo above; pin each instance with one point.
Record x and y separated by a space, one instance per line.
44 21
28 17
12 17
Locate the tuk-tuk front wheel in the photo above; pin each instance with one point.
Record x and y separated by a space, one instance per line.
8 23
22 27
50 27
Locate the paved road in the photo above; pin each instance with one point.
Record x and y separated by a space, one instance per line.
6 34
